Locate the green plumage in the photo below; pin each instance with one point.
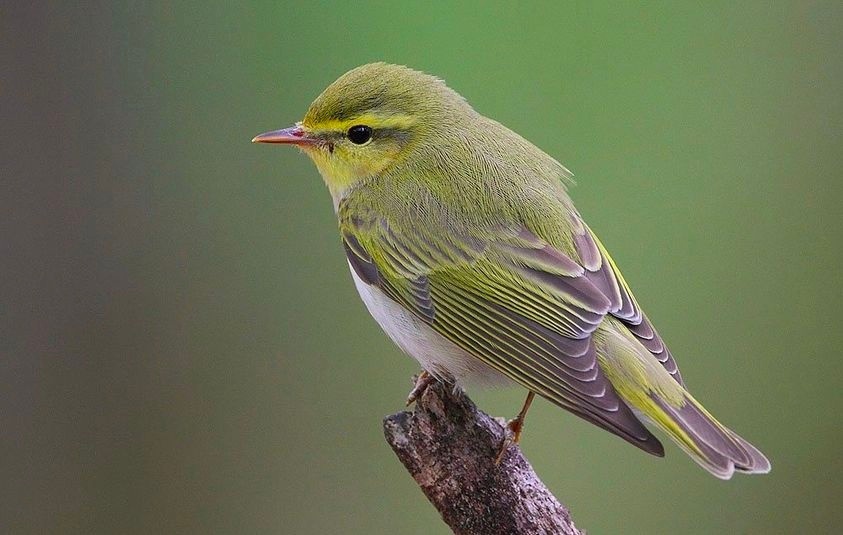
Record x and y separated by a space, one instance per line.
469 227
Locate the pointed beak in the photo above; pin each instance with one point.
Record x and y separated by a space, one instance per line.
294 135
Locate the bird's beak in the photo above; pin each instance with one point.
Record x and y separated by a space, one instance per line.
294 135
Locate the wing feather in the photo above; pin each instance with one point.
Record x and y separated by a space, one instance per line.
510 299
602 271
536 359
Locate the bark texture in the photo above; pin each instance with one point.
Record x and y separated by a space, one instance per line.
449 447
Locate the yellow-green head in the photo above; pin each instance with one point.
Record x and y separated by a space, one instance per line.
368 119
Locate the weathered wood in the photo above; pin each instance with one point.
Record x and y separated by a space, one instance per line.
449 447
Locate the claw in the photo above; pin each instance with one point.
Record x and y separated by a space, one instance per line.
513 437
423 380
513 430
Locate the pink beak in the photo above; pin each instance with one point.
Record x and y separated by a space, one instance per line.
294 135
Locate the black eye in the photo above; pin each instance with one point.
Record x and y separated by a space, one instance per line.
359 134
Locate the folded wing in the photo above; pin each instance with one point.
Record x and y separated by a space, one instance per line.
511 300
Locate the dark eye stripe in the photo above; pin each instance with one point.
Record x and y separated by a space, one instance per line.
390 133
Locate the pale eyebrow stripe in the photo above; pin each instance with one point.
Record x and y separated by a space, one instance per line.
377 122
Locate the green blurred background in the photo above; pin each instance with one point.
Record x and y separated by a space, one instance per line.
183 350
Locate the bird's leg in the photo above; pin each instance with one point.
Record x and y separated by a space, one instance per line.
423 380
514 428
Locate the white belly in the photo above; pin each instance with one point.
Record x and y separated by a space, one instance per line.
435 353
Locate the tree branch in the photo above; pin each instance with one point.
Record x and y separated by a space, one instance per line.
449 447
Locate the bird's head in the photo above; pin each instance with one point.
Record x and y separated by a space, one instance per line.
368 120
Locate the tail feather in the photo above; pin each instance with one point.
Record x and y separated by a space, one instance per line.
759 465
655 396
708 442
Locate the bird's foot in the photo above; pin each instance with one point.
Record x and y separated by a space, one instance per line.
423 380
513 437
513 429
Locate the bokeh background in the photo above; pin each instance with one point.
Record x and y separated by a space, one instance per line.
183 350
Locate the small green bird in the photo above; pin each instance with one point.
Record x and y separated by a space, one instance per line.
466 249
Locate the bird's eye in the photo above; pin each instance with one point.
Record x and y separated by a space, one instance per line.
359 134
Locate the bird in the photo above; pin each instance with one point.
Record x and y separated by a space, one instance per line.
465 247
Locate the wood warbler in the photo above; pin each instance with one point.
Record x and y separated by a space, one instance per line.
466 249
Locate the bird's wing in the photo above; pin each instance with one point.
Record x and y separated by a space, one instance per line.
602 271
508 298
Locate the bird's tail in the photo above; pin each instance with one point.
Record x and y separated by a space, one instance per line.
712 445
658 397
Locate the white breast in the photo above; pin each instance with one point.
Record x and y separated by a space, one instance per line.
434 352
